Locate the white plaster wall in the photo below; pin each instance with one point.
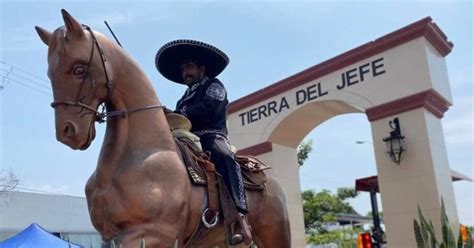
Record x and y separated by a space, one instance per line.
422 178
56 213
438 72
283 161
441 166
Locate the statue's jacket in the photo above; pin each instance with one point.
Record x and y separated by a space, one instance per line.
205 105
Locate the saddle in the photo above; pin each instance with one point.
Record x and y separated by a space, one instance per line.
202 172
196 160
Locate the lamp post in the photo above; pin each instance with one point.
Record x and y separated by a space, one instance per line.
372 186
377 232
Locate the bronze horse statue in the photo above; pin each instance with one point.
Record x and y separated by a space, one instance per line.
140 189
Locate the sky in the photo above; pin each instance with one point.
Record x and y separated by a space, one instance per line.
266 42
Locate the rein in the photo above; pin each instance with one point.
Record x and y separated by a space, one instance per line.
102 115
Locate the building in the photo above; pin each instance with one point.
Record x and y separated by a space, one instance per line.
65 216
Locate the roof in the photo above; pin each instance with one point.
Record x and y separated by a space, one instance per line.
371 183
345 219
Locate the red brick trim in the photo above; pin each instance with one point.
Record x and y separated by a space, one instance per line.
257 149
424 27
429 99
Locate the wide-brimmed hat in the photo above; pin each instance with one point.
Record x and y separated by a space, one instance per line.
171 55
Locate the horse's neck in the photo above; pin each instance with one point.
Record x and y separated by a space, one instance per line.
142 133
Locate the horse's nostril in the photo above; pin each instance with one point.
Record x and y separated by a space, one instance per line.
69 130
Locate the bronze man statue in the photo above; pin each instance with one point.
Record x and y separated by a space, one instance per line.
196 64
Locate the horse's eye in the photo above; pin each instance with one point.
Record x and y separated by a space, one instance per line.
79 70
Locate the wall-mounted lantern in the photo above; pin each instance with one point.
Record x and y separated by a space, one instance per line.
395 142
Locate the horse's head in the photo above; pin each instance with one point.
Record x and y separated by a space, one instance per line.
80 78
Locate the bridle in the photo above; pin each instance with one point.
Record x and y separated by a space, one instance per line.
102 115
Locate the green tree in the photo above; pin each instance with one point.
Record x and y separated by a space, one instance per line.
369 214
343 238
323 206
304 149
346 193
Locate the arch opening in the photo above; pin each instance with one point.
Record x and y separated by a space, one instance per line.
293 128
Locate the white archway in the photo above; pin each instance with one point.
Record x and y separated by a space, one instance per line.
402 74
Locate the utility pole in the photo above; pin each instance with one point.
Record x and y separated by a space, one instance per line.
377 232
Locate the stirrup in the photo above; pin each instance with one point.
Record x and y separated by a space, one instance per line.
243 232
214 220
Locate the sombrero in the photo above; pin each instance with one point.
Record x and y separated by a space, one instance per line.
171 55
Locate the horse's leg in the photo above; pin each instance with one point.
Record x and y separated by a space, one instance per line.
275 235
270 224
153 236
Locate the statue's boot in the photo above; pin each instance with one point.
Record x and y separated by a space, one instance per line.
243 232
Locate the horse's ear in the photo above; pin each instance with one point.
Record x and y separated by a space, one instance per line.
73 27
44 34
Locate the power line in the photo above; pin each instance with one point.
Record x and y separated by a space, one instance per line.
3 80
12 76
12 66
17 75
25 85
